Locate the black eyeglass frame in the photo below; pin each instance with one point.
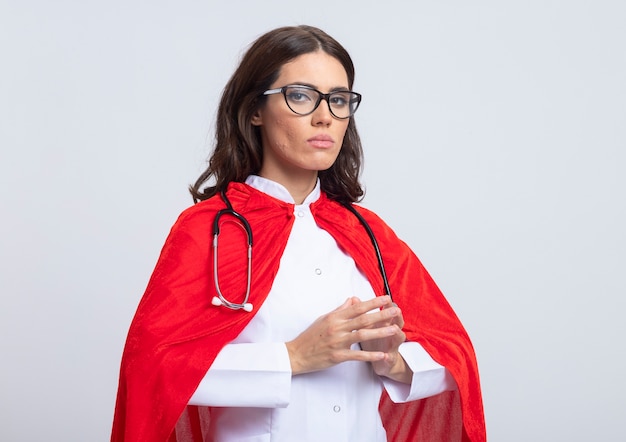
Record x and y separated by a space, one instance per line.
321 96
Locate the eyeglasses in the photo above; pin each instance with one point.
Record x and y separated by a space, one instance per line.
303 100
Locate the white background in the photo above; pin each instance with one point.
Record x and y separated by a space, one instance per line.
494 136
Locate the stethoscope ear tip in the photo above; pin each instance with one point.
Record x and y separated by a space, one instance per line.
216 301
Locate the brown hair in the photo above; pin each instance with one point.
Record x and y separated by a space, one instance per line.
238 151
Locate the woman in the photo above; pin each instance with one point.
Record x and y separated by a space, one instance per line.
301 347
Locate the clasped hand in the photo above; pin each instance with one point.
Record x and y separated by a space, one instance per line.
328 340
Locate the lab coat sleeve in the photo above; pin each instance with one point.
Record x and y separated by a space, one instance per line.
429 377
247 375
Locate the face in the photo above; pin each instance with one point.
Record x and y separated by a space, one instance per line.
295 146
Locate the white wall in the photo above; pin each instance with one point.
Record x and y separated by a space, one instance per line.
494 134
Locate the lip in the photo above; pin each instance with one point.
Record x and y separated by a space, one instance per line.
322 141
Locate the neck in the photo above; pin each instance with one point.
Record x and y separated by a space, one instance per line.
299 186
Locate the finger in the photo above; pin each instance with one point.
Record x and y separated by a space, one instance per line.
349 354
377 303
390 333
392 316
347 303
354 300
380 318
364 356
378 321
399 318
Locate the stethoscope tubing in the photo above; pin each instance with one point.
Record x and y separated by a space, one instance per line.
379 256
220 299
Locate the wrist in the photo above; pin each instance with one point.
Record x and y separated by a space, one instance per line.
296 367
401 372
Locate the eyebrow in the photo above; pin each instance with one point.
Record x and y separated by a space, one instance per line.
335 89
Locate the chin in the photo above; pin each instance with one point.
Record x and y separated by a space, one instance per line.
322 167
325 163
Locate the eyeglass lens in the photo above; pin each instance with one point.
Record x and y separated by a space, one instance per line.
303 101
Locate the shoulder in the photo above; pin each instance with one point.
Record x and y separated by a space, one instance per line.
202 214
198 215
337 216
340 213
385 235
375 221
369 215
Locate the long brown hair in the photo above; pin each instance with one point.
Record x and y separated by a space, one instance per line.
238 151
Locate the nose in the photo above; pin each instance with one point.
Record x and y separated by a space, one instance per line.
322 116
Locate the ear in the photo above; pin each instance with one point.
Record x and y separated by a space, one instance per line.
257 119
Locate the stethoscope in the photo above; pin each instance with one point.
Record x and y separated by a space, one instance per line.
220 299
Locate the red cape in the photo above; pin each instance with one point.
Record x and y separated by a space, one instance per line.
176 332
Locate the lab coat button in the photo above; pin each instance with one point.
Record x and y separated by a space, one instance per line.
300 213
318 271
336 408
